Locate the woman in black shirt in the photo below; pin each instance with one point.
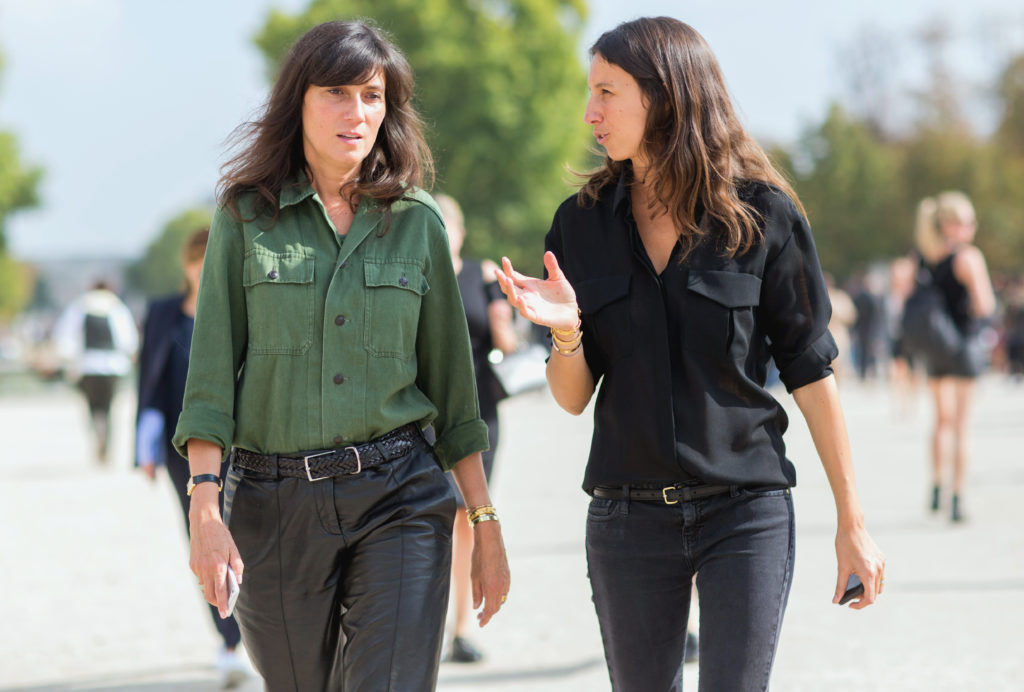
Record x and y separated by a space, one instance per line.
682 266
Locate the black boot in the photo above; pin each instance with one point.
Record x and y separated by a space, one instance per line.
958 515
936 491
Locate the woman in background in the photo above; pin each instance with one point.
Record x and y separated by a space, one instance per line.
946 225
489 318
163 366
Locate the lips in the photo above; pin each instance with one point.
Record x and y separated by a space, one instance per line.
601 137
349 136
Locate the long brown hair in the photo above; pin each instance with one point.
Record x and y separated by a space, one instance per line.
698 152
330 54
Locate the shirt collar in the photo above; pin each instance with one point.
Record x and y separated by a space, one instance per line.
295 190
622 203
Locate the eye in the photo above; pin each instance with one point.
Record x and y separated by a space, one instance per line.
373 96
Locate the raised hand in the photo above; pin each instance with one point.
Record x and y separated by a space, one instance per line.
548 302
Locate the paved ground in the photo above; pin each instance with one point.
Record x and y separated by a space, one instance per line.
95 592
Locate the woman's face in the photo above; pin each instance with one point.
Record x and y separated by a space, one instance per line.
340 125
960 228
617 112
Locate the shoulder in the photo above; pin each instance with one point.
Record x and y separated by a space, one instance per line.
968 261
418 204
769 200
164 304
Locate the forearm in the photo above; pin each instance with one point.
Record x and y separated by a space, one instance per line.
820 406
469 476
204 457
570 380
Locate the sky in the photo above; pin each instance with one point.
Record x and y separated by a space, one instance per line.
126 104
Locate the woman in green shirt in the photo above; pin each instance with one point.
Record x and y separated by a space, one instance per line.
329 331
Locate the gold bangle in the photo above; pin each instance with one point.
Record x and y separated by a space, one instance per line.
571 332
483 517
568 353
474 512
567 340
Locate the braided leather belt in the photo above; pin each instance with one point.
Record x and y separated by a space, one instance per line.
670 495
319 465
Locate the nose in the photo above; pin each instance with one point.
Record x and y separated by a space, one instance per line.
355 110
591 116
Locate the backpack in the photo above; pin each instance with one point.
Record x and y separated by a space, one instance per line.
928 326
98 334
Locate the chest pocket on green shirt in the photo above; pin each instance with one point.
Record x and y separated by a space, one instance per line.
394 289
279 299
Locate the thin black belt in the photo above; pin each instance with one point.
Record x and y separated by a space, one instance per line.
318 465
670 495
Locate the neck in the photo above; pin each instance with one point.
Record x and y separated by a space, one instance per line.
328 181
457 263
188 305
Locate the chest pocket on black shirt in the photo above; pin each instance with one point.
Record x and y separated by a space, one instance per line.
719 313
605 306
395 289
279 295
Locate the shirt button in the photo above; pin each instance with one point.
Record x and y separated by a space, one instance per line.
272 274
338 379
403 281
339 320
338 439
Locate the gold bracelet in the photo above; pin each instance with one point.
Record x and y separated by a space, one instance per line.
474 512
571 333
483 517
569 352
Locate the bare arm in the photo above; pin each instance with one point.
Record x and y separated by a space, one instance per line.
970 270
490 573
856 552
211 547
551 303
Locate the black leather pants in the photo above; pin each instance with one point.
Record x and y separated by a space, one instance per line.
346 579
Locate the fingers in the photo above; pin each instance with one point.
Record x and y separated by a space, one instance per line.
478 594
220 590
551 264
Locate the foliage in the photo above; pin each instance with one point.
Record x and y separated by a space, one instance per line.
502 89
159 271
861 186
17 191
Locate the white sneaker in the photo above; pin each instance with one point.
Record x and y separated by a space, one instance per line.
232 668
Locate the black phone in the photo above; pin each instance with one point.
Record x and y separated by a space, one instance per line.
853 589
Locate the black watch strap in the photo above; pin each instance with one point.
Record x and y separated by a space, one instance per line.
203 478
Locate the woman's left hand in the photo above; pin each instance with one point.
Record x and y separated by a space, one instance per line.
490 575
857 554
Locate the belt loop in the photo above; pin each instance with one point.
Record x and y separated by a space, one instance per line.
273 460
734 491
626 499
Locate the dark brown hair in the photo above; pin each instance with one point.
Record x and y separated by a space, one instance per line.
330 54
698 153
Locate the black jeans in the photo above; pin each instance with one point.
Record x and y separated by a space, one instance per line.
346 579
642 557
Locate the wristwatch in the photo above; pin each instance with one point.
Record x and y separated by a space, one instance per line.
203 478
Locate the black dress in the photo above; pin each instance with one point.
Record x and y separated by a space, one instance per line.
477 295
973 359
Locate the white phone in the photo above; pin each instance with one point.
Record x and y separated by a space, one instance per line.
232 583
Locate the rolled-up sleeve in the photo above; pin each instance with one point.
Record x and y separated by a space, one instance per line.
444 359
218 341
795 307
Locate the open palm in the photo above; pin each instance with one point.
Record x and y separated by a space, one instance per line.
548 302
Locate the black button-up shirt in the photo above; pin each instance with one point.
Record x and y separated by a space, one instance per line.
681 358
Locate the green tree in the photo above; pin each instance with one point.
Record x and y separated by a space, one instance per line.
849 183
502 90
18 185
159 270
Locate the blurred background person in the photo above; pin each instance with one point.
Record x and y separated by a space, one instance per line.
96 339
869 329
945 232
490 327
163 366
844 316
903 378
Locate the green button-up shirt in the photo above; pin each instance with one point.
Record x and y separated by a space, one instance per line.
304 340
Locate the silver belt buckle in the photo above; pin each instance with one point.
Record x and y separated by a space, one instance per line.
305 460
359 462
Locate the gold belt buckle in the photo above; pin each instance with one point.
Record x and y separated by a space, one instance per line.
664 495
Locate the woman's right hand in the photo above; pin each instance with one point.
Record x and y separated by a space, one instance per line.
548 302
211 548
